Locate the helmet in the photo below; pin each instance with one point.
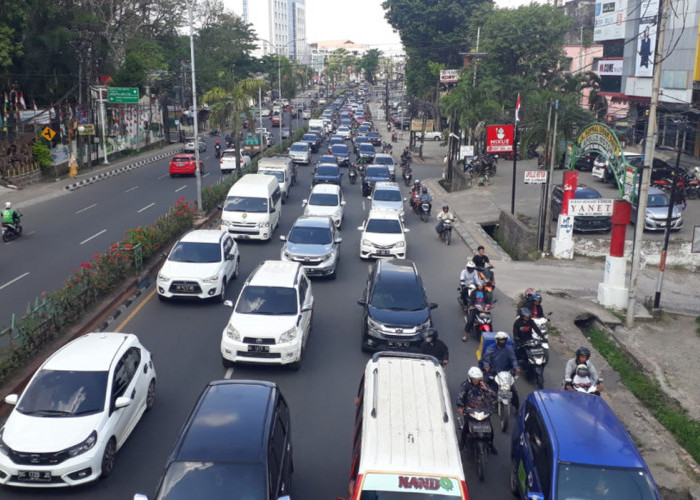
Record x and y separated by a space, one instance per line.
416 182
536 297
582 370
445 207
529 293
583 351
524 311
501 336
475 373
425 189
470 264
430 333
217 142
8 204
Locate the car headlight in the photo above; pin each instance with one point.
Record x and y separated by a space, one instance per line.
232 333
287 255
263 224
422 327
162 277
336 213
288 336
400 244
86 445
374 325
4 449
211 279
367 243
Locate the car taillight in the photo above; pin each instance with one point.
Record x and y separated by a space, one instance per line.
463 487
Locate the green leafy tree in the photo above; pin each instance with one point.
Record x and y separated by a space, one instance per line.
370 63
13 19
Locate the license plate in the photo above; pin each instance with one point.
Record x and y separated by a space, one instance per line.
185 288
34 476
258 348
399 345
382 252
180 164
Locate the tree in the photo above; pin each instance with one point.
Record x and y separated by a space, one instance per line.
369 64
13 18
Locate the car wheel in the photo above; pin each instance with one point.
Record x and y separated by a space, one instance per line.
151 395
513 479
222 295
227 363
436 138
108 457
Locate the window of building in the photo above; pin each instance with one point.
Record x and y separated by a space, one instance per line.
611 83
613 50
671 79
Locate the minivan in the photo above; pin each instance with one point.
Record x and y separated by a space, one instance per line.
567 444
236 443
252 208
283 169
404 444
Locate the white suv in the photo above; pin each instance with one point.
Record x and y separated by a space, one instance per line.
271 320
200 265
387 196
383 235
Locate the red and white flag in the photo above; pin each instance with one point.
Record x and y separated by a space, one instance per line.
21 100
517 110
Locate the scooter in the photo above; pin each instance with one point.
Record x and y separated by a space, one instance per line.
482 319
407 175
424 211
504 382
12 231
352 175
584 388
535 353
218 150
477 431
446 233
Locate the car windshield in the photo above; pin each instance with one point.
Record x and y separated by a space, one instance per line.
278 174
188 251
300 147
213 481
586 194
366 147
327 170
377 172
657 200
387 195
63 393
309 137
582 482
339 149
267 300
326 159
384 160
324 199
184 158
387 226
306 235
245 204
398 295
228 154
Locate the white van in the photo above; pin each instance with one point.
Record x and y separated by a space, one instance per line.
253 207
405 433
283 169
316 125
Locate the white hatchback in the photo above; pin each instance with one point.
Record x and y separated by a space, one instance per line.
78 409
200 265
387 196
326 200
383 235
344 132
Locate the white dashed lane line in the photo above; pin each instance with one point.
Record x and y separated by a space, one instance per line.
86 209
26 274
145 208
131 189
180 188
93 236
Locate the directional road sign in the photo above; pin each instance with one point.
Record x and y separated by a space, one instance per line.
123 95
48 133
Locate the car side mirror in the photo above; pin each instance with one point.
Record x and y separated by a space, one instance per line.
11 399
406 230
360 228
339 240
220 207
273 210
307 307
362 302
228 303
432 305
342 203
283 237
140 496
534 495
369 197
122 402
304 203
229 256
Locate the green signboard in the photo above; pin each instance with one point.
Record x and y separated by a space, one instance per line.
123 95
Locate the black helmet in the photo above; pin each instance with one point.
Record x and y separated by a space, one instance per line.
445 207
425 189
524 311
430 333
583 351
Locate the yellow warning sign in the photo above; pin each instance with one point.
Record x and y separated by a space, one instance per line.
48 134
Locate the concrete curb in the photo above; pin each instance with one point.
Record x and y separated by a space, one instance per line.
111 173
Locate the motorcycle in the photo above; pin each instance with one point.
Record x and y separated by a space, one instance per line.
446 232
462 304
352 175
503 382
387 148
218 150
477 431
407 175
482 319
394 137
486 275
535 354
424 211
12 231
584 388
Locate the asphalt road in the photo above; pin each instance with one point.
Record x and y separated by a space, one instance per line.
184 339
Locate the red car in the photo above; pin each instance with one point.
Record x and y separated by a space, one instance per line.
184 164
275 120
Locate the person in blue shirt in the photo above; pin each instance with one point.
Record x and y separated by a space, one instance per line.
500 357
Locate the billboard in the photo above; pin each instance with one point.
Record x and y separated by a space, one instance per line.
449 75
609 20
610 67
499 138
646 40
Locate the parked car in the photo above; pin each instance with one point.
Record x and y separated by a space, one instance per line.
326 200
306 114
383 235
184 164
656 214
396 311
583 223
430 135
200 265
77 411
601 168
314 242
285 132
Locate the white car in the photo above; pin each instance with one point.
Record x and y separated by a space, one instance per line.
77 411
326 200
386 160
387 196
189 146
430 135
227 160
300 152
265 112
200 265
383 235
306 114
344 132
271 320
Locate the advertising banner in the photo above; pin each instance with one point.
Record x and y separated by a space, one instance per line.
449 75
609 20
499 138
646 39
610 67
535 176
590 208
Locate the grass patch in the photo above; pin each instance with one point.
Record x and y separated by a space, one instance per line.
697 320
621 315
665 410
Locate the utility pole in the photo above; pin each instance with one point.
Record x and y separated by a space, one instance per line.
648 158
478 36
547 207
543 196
197 170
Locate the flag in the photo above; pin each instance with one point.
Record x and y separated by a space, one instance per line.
34 105
21 100
517 110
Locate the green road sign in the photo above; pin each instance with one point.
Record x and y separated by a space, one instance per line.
123 95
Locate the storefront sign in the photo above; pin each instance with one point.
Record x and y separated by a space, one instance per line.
499 138
535 176
610 67
449 75
590 208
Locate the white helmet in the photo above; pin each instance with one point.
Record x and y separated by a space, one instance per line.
470 264
582 370
8 204
501 336
475 373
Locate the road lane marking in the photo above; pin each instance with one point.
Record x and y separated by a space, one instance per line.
12 281
163 176
93 236
205 175
86 208
136 310
131 189
229 373
180 188
145 208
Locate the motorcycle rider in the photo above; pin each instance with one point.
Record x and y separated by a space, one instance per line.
478 296
426 198
467 280
534 303
474 393
582 357
416 189
523 328
217 147
500 357
433 346
10 216
444 215
482 263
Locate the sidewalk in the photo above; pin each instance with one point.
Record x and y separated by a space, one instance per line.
665 349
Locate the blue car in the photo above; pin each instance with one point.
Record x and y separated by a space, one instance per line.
312 139
567 444
327 174
341 153
374 174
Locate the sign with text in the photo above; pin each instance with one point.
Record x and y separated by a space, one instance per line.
610 67
535 176
123 95
590 208
499 138
449 75
466 151
417 124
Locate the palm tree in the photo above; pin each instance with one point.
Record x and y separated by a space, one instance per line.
227 106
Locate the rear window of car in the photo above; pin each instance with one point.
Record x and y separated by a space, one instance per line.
387 226
183 158
300 147
328 170
378 172
387 195
339 149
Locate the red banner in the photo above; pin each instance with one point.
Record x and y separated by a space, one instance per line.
499 138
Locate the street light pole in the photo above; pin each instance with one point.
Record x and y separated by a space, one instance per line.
197 170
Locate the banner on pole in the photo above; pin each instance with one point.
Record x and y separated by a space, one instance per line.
499 138
535 176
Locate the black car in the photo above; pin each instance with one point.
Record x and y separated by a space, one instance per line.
366 151
372 175
660 170
396 310
327 174
312 139
236 440
582 223
584 163
327 160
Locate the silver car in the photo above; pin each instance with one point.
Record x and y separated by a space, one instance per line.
387 196
656 215
313 242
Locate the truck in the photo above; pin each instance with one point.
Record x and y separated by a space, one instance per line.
251 144
316 125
